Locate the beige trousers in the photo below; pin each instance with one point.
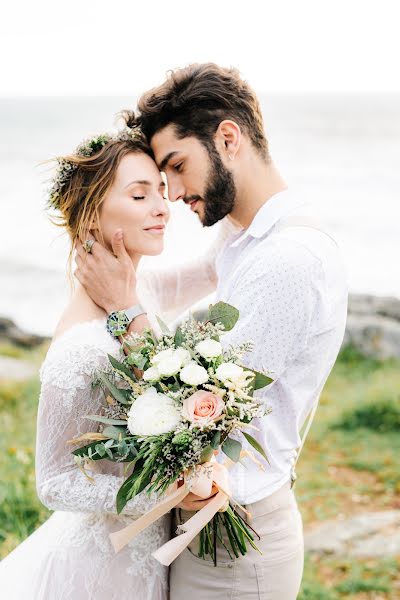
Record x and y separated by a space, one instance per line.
274 575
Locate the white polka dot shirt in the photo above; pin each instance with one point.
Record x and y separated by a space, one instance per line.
290 287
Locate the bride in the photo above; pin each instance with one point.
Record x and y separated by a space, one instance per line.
109 183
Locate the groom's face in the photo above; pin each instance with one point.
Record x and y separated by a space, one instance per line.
195 174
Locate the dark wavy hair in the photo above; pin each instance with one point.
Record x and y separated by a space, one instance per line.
197 98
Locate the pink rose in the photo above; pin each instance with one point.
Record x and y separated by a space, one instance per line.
202 407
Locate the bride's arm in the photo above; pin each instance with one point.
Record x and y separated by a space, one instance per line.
66 398
177 288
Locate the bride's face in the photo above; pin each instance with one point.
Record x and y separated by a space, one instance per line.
136 204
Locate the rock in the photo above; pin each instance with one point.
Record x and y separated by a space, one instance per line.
10 332
367 534
373 326
15 369
362 304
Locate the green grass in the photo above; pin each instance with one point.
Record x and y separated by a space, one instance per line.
343 470
20 510
328 578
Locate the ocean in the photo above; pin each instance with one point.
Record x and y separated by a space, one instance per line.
340 152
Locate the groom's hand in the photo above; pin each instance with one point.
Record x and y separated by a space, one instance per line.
194 503
109 278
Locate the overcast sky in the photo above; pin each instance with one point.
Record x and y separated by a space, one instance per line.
123 47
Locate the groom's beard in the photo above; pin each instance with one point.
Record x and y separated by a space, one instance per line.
219 196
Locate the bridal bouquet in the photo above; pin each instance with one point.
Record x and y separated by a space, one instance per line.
173 405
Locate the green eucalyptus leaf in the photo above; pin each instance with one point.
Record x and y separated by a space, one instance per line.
179 337
253 442
232 448
216 440
163 326
105 420
84 450
223 313
206 454
261 380
114 391
100 450
118 366
114 432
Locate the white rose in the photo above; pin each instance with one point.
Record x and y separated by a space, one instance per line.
194 374
162 356
229 372
183 355
153 413
151 374
209 349
169 366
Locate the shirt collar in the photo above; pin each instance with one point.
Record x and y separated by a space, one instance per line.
278 206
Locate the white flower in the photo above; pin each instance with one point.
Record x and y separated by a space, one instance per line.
162 356
151 374
194 374
184 356
209 349
229 372
153 413
169 366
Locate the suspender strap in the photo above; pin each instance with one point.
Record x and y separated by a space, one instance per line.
302 221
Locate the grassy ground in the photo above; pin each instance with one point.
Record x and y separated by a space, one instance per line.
349 465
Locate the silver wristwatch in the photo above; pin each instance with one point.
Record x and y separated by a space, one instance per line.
118 321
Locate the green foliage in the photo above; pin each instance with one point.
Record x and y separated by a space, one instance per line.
12 351
116 393
253 442
179 337
223 313
355 586
232 448
121 368
382 416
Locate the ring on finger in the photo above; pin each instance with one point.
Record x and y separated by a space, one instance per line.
88 245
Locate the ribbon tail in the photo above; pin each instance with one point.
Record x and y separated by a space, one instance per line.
169 551
120 538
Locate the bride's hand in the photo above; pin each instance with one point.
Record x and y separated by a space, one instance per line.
194 503
108 278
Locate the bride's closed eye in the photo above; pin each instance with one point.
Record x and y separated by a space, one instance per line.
178 167
138 197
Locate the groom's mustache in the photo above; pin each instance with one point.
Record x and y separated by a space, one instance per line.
188 199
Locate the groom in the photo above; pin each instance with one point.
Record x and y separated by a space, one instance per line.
283 273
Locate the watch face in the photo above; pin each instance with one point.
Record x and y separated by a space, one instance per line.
117 323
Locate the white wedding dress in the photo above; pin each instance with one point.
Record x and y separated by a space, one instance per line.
70 556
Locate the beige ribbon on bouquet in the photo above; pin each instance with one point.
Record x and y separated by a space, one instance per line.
199 481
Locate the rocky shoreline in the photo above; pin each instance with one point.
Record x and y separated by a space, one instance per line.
373 328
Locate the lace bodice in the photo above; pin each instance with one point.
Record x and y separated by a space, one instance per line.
66 398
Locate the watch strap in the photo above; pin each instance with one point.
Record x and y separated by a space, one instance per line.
134 311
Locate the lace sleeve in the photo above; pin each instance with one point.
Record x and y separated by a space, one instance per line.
66 398
177 288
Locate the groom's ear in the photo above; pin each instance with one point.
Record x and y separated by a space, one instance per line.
227 138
